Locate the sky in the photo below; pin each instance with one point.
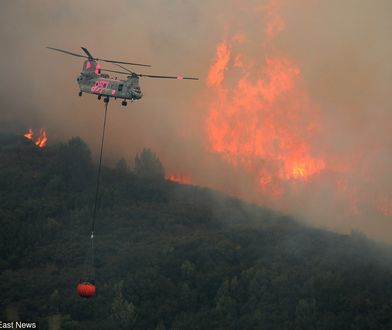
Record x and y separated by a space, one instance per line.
292 110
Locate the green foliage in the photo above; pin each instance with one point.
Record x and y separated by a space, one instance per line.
122 166
148 166
170 256
122 311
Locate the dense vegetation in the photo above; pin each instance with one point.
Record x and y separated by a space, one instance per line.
171 256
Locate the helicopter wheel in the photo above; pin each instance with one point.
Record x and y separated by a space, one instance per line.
106 99
124 103
80 93
99 97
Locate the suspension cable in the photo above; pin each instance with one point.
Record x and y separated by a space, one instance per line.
98 175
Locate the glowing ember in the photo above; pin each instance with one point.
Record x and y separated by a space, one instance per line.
29 134
179 178
42 139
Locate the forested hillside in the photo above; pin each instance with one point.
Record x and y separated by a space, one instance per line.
170 256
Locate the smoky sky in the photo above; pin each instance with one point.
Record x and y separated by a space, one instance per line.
343 49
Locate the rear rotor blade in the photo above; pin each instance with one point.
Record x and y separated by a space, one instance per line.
158 76
66 52
124 68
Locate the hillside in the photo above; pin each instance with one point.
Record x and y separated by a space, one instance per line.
171 256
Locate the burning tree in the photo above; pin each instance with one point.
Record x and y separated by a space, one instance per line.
41 140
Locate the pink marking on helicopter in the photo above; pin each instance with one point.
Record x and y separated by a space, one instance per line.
97 69
113 92
100 86
88 65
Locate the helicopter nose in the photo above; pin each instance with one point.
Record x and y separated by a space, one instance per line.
137 93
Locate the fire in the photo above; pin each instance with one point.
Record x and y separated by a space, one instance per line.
262 119
29 134
179 178
216 73
41 139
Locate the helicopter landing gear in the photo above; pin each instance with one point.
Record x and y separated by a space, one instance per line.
99 97
80 93
124 103
106 99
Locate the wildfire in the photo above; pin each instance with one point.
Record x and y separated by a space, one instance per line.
179 178
263 120
29 134
40 140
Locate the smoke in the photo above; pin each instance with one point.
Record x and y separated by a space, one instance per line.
306 82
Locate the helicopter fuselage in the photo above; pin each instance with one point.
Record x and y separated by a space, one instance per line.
92 81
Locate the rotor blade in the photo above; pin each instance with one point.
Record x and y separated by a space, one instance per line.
154 76
87 53
66 52
124 68
90 57
168 77
115 71
130 63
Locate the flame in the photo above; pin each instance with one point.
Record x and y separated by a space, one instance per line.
29 134
216 73
263 123
42 139
179 178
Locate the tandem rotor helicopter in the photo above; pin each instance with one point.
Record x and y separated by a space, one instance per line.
92 81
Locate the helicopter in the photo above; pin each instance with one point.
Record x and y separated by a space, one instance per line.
92 80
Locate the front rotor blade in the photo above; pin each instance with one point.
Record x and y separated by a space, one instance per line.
90 57
66 52
115 71
87 53
168 77
130 63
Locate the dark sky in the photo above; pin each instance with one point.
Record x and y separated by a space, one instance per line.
342 48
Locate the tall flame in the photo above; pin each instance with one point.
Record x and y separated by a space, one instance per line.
263 123
262 119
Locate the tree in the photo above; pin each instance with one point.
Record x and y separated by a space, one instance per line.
148 166
122 311
122 166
